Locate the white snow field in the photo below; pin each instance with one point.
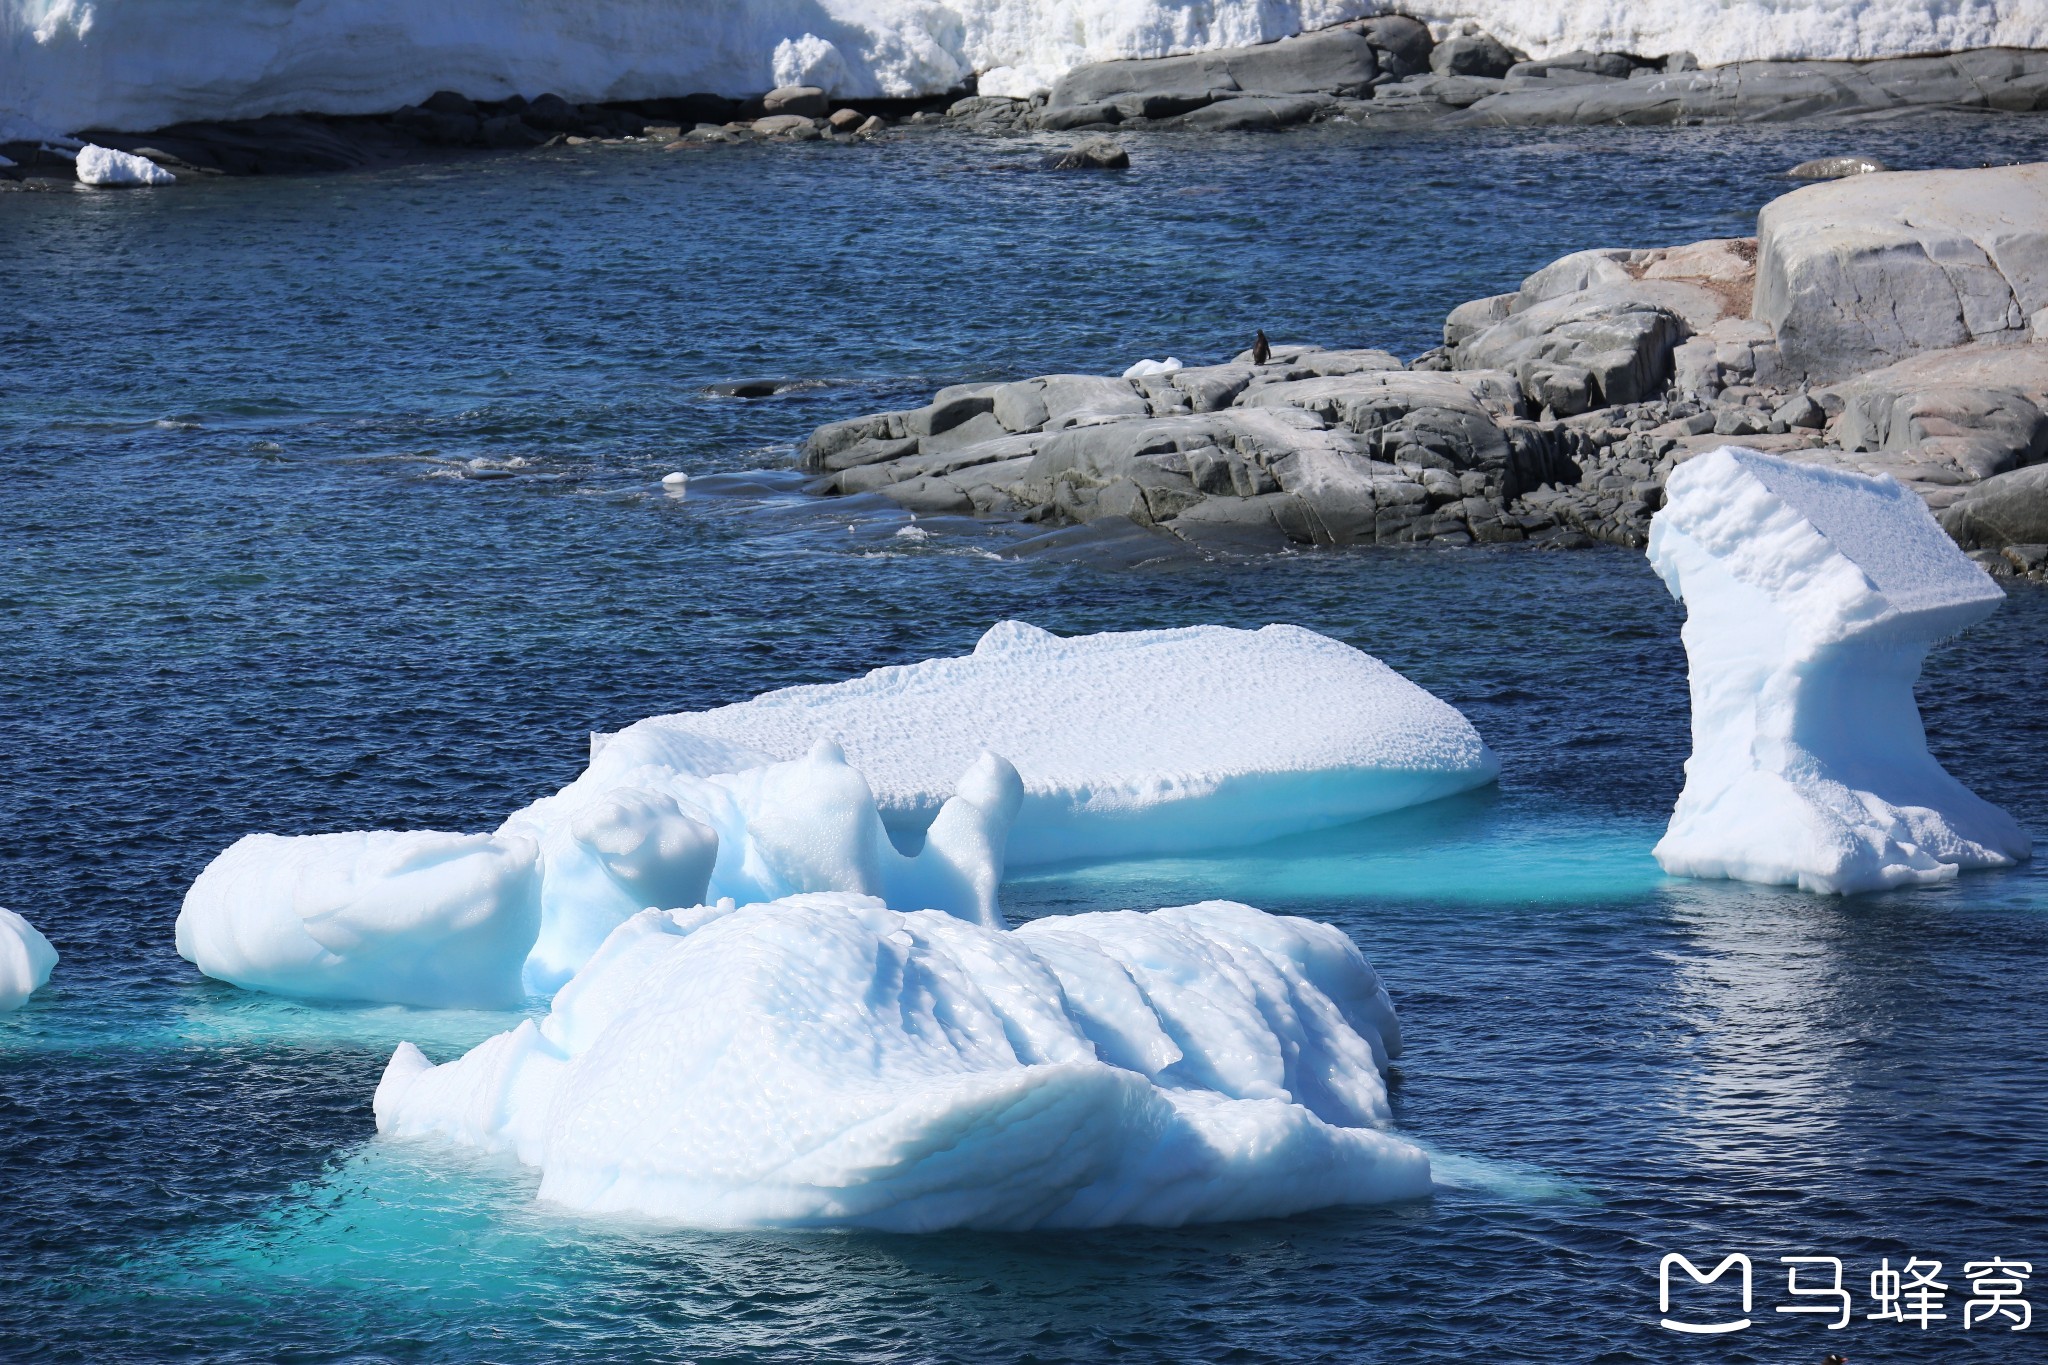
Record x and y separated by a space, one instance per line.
824 1060
1812 596
1123 744
70 65
26 959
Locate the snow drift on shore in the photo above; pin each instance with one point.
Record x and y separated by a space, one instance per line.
1133 743
1812 596
134 65
823 1060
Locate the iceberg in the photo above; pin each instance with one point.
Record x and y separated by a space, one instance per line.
823 1060
1128 743
1812 597
1125 744
67 65
103 166
26 959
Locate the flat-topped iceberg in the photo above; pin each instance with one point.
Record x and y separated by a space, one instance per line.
26 959
1812 596
1128 743
1124 744
824 1060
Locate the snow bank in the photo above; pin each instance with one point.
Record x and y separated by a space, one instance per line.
140 64
825 1060
1812 596
1128 743
1125 744
26 958
105 166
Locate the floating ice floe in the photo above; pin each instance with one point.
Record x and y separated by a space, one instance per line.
824 1060
104 166
1812 596
26 959
1145 742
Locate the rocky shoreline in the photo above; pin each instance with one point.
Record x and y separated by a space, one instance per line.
1891 323
1385 73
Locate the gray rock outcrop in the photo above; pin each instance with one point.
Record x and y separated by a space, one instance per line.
1858 273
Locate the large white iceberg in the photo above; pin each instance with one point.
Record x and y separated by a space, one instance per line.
26 959
824 1060
69 65
1812 596
1133 743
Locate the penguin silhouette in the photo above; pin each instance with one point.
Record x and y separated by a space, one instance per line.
1832 1359
1262 350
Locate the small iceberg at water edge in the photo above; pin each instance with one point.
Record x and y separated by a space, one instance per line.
1812 597
26 960
824 1060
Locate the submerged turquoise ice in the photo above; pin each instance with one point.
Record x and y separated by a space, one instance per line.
250 578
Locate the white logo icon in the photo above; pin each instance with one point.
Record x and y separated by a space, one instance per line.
1703 1329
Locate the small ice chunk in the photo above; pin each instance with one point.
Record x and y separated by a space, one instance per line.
1812 596
104 166
26 958
677 482
823 1060
1151 367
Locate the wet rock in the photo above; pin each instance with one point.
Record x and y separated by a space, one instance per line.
1099 154
1402 45
1334 61
1836 168
796 126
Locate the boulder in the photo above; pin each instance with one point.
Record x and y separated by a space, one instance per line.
1097 154
1855 274
806 100
2007 509
1245 113
1334 61
1982 410
1401 44
1472 54
785 125
1836 168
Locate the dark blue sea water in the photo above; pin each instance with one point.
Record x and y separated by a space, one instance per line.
331 503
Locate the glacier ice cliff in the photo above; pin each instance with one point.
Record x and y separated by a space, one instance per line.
824 1060
1812 597
26 959
1129 743
71 65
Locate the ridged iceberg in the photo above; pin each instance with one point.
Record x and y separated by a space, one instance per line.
1142 742
823 1060
1812 596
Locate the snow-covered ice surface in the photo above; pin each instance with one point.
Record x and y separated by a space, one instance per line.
824 1060
26 958
105 166
141 64
1812 596
1126 744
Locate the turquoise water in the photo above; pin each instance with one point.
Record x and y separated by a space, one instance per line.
331 504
